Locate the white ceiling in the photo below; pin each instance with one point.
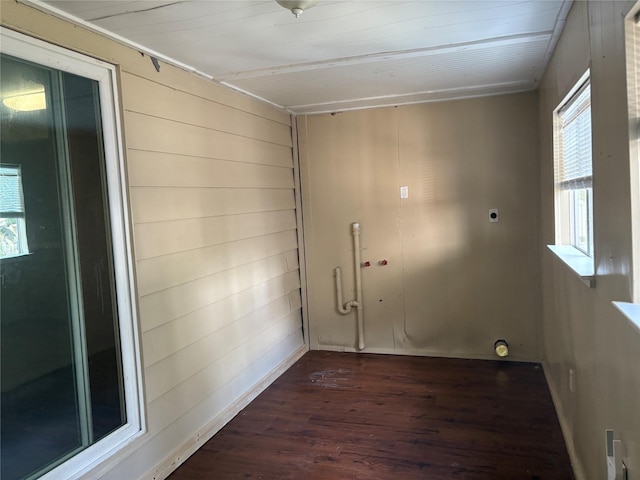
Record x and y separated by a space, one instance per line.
347 53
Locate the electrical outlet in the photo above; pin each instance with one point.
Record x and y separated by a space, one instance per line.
493 215
611 462
616 468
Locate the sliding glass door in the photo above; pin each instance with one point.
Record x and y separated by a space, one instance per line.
62 381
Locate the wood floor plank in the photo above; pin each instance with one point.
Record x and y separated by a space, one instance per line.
361 416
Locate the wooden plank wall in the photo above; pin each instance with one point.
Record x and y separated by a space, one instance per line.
212 198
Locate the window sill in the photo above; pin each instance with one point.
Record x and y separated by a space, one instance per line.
631 311
578 263
15 258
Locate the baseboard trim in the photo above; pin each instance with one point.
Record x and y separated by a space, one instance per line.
188 448
578 469
429 353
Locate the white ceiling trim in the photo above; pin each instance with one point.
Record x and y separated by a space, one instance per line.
414 97
257 97
386 56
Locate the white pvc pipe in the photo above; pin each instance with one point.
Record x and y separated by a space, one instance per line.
359 306
346 307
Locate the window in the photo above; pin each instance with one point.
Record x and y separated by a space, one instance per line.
573 182
13 233
70 379
574 189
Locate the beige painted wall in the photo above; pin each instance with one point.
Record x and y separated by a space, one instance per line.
581 329
454 282
211 186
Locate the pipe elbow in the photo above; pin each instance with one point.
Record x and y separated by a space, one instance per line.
344 310
349 306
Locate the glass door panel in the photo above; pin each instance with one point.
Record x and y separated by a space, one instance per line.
61 376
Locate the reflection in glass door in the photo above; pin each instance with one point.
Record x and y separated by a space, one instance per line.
61 378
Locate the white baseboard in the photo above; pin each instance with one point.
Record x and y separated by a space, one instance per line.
188 448
429 353
578 469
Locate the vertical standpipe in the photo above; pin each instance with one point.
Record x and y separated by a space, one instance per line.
346 308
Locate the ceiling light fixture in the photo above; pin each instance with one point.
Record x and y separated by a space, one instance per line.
27 101
297 6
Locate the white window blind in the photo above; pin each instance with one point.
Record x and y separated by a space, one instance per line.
11 195
574 167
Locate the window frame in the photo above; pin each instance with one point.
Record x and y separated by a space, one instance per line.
566 221
104 453
18 215
575 219
580 261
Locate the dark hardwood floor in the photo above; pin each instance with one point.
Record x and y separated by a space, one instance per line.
362 416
